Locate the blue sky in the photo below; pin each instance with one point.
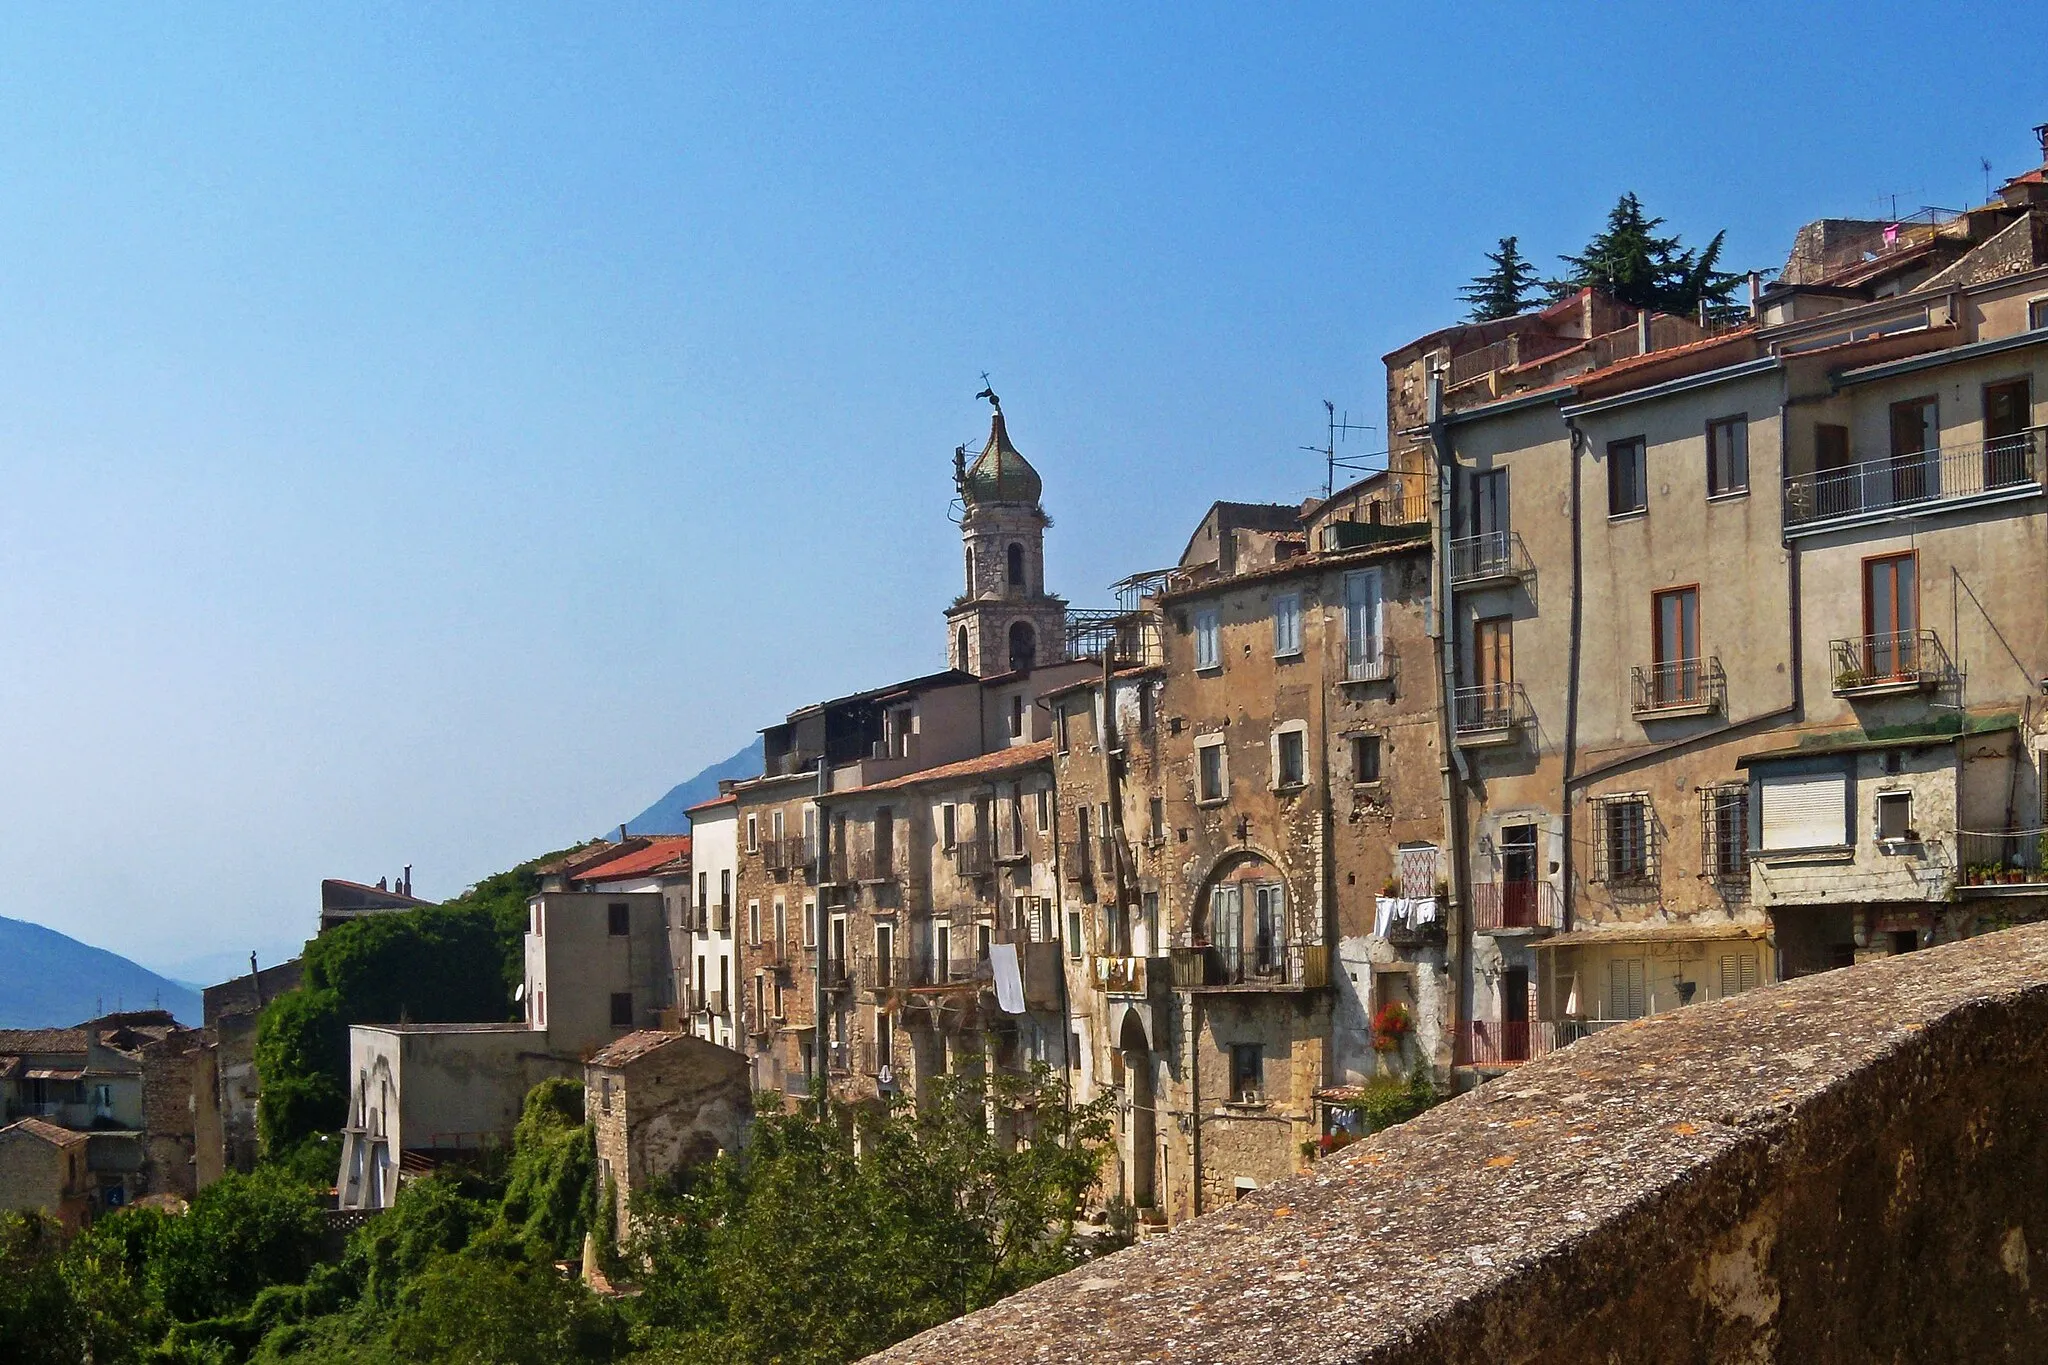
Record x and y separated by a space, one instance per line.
430 432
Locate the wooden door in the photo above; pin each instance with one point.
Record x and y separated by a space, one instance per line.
1676 666
1891 616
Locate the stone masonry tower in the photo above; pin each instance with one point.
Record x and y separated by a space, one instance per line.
1005 620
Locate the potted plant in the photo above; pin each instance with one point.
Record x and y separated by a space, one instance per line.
1390 888
1391 1027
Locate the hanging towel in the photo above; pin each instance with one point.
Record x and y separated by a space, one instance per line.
1424 911
1002 960
1384 915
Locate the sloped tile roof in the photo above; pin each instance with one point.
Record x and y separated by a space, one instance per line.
48 1132
658 853
1001 761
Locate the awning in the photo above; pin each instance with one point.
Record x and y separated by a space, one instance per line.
41 1073
1622 935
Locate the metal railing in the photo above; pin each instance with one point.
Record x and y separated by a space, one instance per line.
878 865
1490 708
1488 556
837 973
1516 905
1680 685
1928 476
1077 860
1385 518
1372 663
1912 658
1273 963
1128 637
713 1002
1130 975
834 867
974 858
771 952
909 973
780 855
1488 1042
2014 857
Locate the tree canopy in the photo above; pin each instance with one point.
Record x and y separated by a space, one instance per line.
1510 287
1629 260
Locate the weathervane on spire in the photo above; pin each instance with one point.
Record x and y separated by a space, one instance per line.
988 392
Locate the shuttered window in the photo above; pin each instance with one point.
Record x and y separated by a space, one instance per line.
1738 973
1807 810
1625 988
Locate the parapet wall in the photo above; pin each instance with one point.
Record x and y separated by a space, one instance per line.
1847 1167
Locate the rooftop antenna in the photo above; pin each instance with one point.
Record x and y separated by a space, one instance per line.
1339 427
1984 162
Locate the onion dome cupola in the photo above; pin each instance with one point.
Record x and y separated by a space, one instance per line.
1000 474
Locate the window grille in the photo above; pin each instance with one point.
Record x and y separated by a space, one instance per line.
1625 840
1724 833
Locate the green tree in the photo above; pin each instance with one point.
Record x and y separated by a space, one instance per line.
550 1183
242 1233
1505 290
41 1323
472 1309
1629 260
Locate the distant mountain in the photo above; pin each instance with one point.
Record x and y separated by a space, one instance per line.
666 815
50 981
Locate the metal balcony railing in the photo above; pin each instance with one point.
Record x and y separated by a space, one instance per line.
880 974
1077 860
1489 557
836 868
837 973
2007 464
2014 857
1516 905
878 865
1394 517
1131 975
1907 659
974 858
779 855
1680 685
714 1003
1127 637
1490 709
1372 661
1272 964
771 952
1488 1042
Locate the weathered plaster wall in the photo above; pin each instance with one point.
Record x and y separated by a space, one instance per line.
1848 1167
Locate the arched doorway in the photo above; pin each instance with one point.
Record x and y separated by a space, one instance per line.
1144 1128
1244 921
1023 646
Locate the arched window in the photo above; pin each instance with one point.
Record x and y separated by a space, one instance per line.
1243 917
960 654
1023 646
1016 565
969 553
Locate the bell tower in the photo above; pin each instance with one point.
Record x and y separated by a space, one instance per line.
1004 620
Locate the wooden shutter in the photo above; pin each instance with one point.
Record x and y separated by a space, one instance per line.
1809 810
1625 987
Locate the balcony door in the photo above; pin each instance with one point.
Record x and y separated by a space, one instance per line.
1269 928
1493 670
1226 922
2008 444
1518 876
1514 1015
1488 515
1676 664
1891 617
1916 442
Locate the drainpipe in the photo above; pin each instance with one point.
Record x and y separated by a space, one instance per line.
821 1045
1571 701
1326 872
1451 765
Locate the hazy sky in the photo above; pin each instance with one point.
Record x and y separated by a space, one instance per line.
429 433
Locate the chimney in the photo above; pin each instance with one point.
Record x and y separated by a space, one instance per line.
381 885
1642 331
408 879
1756 293
622 834
2041 136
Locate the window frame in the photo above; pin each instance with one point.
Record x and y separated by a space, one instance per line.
618 919
1892 798
1203 745
1365 774
1292 734
1208 633
1738 425
1637 450
1631 861
1247 1062
1287 625
620 998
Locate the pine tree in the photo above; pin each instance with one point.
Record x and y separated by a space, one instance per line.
1628 260
1504 290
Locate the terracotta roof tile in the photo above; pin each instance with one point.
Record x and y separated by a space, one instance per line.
1641 362
1001 761
659 852
27 1040
48 1132
726 800
634 1046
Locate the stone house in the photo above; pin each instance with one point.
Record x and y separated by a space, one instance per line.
43 1169
228 1088
658 1102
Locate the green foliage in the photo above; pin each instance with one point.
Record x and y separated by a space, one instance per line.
1388 1101
431 1218
482 1309
1628 260
550 1184
41 1321
815 1247
243 1233
1508 288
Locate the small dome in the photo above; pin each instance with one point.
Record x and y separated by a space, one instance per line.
1000 474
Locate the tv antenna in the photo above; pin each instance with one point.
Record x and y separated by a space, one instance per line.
1340 427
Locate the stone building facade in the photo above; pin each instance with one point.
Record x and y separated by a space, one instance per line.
659 1101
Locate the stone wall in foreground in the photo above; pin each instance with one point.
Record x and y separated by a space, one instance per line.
1847 1167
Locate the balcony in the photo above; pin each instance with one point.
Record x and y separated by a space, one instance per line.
780 855
2011 863
881 975
1999 470
1490 559
1501 907
1373 662
1131 975
835 868
878 865
771 952
1489 1043
1378 522
1492 713
1013 850
1880 665
974 858
1266 966
1077 860
713 1003
837 973
1684 687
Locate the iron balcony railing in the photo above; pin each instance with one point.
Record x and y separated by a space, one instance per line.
1382 519
1680 685
878 865
1488 557
1131 975
1126 637
1912 658
1372 661
974 858
2014 857
837 973
1077 858
836 868
2006 463
879 974
1490 708
780 855
1272 963
771 952
1489 1042
1516 905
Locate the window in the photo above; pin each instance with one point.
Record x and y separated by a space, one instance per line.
1016 715
604 1094
1156 816
1728 455
1059 726
1209 775
949 826
2037 315
1073 933
1043 931
753 834
1738 973
1147 708
897 724
1015 564
885 953
1804 810
984 941
2008 445
1891 618
754 922
619 919
1625 476
1247 1074
1626 998
622 1009
1624 833
703 896
1365 758
725 891
885 1040
538 926
1023 646
1148 920
1363 653
1724 833
781 922
1894 816
1208 639
810 924
1044 809
1675 675
942 949
960 636
1287 625
775 824
1488 513
1288 766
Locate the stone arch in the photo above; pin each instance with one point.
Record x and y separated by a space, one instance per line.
1014 562
1244 916
960 658
1023 646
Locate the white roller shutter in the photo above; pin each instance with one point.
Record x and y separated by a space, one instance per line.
1807 810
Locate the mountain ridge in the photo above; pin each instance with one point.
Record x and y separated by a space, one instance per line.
51 980
666 816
